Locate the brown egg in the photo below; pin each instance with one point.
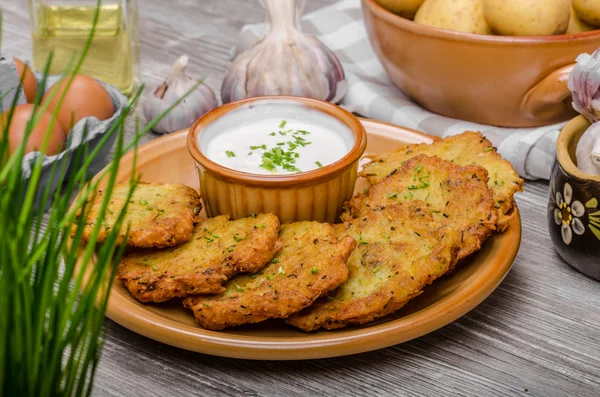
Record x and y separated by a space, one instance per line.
29 81
18 124
85 97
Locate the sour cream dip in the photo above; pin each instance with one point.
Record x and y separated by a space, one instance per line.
276 143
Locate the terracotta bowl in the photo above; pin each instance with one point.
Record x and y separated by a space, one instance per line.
497 80
312 195
574 205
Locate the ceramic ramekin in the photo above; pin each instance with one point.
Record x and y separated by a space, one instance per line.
574 205
498 80
313 195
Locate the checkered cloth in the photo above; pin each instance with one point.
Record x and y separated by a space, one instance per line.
372 94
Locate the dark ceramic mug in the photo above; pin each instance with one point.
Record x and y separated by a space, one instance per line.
574 205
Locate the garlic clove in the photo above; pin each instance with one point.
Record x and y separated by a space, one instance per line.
285 62
200 101
588 150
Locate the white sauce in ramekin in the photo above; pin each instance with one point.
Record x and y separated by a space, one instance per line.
275 139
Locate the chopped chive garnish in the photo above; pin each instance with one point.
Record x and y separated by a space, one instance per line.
238 287
488 149
275 260
143 202
237 238
269 277
393 195
282 124
229 153
422 185
260 226
360 240
314 270
318 163
419 168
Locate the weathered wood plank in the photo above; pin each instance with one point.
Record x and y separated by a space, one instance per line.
537 334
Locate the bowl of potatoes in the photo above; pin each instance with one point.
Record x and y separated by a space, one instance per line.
497 62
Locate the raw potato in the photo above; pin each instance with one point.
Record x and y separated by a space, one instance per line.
527 17
576 25
404 8
458 15
588 11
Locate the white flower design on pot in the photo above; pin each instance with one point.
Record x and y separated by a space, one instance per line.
568 214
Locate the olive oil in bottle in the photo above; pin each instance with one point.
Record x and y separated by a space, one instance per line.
64 28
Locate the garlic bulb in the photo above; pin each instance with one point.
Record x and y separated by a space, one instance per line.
584 83
177 84
285 61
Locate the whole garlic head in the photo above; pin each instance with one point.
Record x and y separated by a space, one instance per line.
198 102
584 83
285 61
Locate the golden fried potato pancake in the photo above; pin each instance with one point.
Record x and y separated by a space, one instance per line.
468 148
159 215
400 250
458 196
219 249
311 263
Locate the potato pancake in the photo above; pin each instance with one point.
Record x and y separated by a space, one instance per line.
159 215
468 148
219 249
457 196
311 263
400 250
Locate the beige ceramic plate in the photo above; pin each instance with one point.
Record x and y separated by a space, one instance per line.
167 160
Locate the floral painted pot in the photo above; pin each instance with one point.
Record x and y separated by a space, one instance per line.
574 205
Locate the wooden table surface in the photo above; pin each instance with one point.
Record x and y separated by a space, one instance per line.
537 334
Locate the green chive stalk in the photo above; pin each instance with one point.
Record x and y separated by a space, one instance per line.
53 282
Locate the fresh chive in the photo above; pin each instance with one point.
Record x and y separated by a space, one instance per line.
237 238
318 163
275 260
282 124
489 149
52 320
393 195
314 270
422 185
260 226
229 153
